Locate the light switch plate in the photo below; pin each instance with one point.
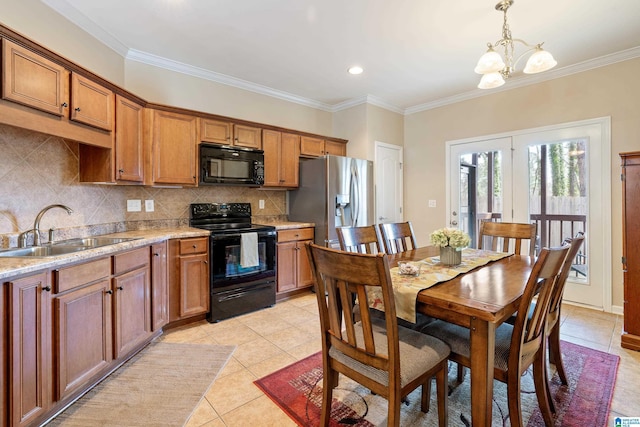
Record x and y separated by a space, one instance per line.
134 206
148 206
432 203
261 204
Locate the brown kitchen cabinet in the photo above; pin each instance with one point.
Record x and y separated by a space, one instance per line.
91 103
316 147
281 159
37 82
82 322
173 146
159 286
293 269
188 278
30 347
132 300
129 154
631 249
228 133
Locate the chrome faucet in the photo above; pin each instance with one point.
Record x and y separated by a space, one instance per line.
36 224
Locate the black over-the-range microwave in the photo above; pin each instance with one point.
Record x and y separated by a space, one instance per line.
222 164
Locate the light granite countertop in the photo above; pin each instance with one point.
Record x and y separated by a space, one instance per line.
285 225
12 267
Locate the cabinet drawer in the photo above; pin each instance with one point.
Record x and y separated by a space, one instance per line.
295 234
193 246
77 275
130 260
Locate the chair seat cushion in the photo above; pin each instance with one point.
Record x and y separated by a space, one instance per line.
457 337
418 354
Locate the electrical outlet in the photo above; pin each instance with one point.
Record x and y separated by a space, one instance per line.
134 206
148 206
432 203
261 204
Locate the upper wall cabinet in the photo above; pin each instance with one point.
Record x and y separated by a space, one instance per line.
281 159
32 80
316 147
173 139
91 103
129 158
227 133
69 100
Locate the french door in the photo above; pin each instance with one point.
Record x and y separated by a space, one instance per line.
557 177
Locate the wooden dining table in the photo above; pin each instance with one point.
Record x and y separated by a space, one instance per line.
480 300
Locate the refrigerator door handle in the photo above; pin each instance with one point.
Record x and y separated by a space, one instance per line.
355 194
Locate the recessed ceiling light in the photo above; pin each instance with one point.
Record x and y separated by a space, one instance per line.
355 70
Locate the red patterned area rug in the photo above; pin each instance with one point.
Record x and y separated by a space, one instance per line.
297 390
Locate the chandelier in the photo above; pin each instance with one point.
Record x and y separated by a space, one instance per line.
495 70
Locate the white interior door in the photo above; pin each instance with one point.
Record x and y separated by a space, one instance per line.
388 166
515 200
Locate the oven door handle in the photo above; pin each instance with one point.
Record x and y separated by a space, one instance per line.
228 235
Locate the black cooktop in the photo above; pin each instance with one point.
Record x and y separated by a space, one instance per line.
224 218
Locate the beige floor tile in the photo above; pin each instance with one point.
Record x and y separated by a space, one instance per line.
306 349
260 412
271 365
232 391
231 367
232 333
268 324
599 333
256 351
203 414
289 338
584 343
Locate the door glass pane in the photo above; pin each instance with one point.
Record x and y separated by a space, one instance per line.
481 190
558 189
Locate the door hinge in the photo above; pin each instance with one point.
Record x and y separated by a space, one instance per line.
621 177
400 209
624 260
400 165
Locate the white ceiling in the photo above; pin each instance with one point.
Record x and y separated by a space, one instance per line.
416 54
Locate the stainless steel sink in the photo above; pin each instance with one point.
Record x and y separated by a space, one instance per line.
43 251
93 242
63 247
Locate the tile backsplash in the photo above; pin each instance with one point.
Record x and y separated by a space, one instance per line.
37 170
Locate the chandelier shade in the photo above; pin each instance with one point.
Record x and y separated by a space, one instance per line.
495 69
539 61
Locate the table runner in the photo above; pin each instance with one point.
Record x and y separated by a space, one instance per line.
406 288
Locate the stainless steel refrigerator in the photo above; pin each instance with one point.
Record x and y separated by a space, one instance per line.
334 191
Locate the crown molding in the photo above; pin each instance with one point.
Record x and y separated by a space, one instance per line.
528 80
179 67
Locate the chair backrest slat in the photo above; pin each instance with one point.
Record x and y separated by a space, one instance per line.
528 331
364 240
506 232
397 236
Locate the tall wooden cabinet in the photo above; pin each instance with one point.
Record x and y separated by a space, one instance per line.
281 159
631 248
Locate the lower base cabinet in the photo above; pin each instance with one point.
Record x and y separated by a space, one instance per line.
188 278
293 271
30 346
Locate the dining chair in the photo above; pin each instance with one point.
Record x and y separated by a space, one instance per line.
388 359
398 237
555 306
363 240
507 232
520 345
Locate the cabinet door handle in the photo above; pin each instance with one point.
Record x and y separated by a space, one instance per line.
120 171
120 288
64 105
206 262
78 109
109 292
156 254
46 288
